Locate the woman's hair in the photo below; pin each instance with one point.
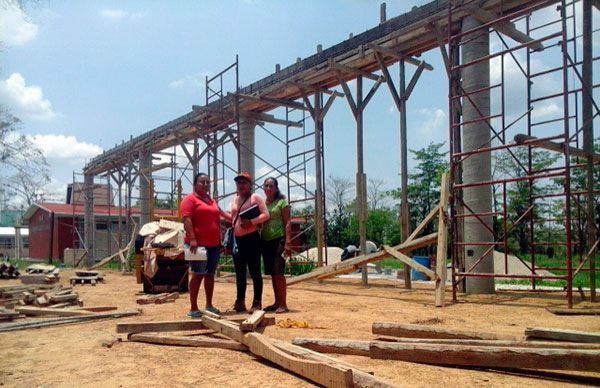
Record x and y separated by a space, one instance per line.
200 174
278 194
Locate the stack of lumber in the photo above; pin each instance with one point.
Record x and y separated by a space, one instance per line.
238 333
86 277
56 297
8 271
40 274
540 350
158 298
12 295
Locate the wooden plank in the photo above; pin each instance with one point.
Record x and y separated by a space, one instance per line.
423 331
324 374
252 322
63 298
442 244
357 348
410 262
434 212
360 378
357 262
552 146
562 335
228 328
66 320
488 356
96 309
178 325
35 311
508 343
197 341
566 311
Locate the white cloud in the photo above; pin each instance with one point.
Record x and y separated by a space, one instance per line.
435 120
196 80
65 148
116 15
26 101
15 29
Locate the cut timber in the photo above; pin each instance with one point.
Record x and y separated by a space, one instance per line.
158 298
442 245
504 343
228 328
357 348
97 309
557 147
360 378
410 262
253 321
27 310
179 340
562 335
489 356
566 311
66 320
321 373
421 227
422 331
183 325
357 262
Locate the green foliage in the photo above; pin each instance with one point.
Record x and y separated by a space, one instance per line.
297 266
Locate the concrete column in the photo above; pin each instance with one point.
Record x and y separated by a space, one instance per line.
246 155
145 189
477 168
89 224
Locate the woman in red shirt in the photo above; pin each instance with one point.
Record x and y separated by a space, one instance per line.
201 220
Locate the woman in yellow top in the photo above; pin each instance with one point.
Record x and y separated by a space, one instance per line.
275 236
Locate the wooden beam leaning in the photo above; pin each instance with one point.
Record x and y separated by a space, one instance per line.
180 340
523 139
410 262
442 244
325 374
507 28
561 335
252 322
355 263
434 212
488 356
423 331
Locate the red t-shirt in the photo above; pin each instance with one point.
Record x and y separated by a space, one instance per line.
205 219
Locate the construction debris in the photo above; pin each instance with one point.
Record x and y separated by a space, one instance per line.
158 298
86 277
8 270
40 274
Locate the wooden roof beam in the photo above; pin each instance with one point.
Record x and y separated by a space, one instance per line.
352 70
269 119
314 89
272 101
507 28
396 54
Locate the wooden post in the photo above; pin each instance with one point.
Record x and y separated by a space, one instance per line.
442 249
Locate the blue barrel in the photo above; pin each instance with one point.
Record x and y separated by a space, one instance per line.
416 275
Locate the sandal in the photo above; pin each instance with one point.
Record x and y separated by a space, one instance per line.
281 310
271 308
213 310
194 314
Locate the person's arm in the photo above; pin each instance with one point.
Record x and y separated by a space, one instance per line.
225 215
264 212
287 222
189 231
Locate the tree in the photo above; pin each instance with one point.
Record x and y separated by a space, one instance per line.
375 194
23 167
340 210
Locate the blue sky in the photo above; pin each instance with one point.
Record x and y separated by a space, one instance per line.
83 76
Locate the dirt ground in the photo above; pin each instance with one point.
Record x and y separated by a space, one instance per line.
73 355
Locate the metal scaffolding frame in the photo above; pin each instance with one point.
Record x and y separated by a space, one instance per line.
559 37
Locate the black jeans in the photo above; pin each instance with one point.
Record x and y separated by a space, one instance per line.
248 255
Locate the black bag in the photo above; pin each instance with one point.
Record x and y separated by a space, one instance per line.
229 236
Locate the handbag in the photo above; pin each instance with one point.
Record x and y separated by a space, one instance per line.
229 236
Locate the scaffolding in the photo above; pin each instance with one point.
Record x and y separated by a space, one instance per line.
518 134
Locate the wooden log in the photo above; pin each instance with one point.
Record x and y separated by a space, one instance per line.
360 377
566 311
410 262
252 321
357 262
561 335
66 320
488 356
35 311
423 331
358 348
442 245
508 343
96 309
197 341
182 325
324 374
63 298
227 328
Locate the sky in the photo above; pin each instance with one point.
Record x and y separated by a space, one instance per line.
83 76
